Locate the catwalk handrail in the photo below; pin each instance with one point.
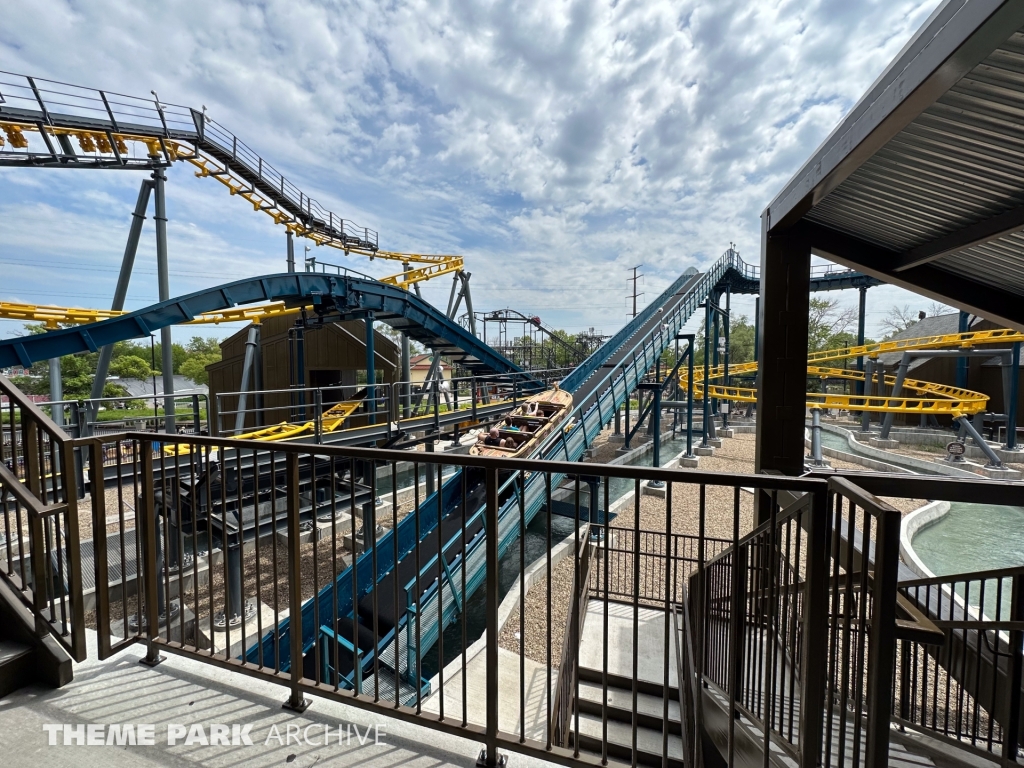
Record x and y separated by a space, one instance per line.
57 104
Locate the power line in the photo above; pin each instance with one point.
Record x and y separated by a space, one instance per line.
633 279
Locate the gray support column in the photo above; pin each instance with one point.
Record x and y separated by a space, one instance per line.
164 292
252 342
707 367
689 397
469 301
371 373
782 377
123 278
816 438
897 389
291 252
1011 411
453 294
257 372
56 392
861 313
865 416
407 375
962 365
406 391
726 319
994 462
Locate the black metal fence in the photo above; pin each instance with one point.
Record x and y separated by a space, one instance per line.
39 533
360 574
386 560
797 629
965 685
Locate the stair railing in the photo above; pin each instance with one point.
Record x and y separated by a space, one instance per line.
568 669
40 557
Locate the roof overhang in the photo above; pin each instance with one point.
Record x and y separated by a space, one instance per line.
922 184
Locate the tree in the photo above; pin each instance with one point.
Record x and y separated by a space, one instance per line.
741 342
898 319
130 367
194 367
827 322
201 345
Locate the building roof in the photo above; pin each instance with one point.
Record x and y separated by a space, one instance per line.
144 387
937 325
920 184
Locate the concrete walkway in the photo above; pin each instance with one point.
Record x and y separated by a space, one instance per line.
650 645
189 693
509 720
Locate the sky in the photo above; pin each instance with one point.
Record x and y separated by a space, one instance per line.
555 145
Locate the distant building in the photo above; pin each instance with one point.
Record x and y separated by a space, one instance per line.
333 358
984 373
145 387
419 367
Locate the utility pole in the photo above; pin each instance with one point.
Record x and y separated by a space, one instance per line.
636 276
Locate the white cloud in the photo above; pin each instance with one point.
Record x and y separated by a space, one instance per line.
553 143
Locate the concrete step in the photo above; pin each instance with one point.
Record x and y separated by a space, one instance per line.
619 705
16 666
620 741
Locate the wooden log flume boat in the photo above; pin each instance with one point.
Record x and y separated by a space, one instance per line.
525 427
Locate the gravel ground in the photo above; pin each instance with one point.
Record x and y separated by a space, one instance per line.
736 456
535 626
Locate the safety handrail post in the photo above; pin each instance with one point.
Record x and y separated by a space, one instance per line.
296 702
490 758
815 627
149 529
1012 709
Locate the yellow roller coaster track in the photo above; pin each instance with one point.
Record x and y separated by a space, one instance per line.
433 265
331 421
924 397
54 316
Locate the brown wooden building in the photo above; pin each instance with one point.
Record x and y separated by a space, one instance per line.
334 354
984 373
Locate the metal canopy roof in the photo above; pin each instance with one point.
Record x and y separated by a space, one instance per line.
923 183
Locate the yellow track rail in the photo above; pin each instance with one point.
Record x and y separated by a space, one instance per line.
54 316
331 421
432 265
923 397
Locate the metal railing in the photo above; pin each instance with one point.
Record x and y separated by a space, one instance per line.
965 687
40 554
397 406
567 691
223 552
344 573
796 629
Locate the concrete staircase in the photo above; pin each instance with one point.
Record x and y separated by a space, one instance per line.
613 708
25 657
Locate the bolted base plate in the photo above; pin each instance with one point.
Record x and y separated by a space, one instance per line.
152 662
300 707
481 761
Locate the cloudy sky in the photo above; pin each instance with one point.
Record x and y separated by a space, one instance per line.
553 144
